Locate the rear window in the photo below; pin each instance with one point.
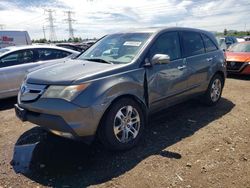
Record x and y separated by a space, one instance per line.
49 54
209 45
192 43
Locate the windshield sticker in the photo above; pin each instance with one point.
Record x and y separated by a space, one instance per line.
132 43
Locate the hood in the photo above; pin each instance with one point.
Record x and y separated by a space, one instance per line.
238 56
46 64
67 72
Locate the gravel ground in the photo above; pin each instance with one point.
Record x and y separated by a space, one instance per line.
188 145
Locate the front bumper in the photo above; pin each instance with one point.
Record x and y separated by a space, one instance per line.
61 117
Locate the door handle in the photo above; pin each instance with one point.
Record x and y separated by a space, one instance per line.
181 67
209 59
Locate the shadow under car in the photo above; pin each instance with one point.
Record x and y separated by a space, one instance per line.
55 161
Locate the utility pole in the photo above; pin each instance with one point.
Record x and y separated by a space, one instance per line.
44 36
52 34
70 21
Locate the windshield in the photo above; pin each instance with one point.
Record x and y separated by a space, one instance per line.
2 51
240 47
117 48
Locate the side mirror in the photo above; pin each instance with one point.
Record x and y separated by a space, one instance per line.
160 59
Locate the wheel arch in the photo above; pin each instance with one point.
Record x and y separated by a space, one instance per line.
143 106
222 74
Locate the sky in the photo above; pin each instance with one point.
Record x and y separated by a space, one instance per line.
95 18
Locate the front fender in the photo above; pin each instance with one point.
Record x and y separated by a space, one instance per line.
103 91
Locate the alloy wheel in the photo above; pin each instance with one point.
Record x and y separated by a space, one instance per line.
126 124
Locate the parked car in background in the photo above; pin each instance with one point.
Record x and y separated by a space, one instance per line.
16 61
14 38
240 40
238 58
225 42
86 44
247 38
110 89
72 46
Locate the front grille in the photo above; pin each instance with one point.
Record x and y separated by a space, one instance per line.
30 92
234 66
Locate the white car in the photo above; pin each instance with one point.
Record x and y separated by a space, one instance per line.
16 62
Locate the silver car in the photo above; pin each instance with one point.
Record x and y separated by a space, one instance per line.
15 62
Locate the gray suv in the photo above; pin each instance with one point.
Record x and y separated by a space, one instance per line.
109 90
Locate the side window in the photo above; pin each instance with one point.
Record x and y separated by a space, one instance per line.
17 58
27 56
209 45
192 44
49 54
167 43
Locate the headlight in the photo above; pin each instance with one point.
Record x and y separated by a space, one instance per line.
64 92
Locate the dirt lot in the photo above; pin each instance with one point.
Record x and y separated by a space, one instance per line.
188 145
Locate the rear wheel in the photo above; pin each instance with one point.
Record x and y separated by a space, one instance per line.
214 91
123 125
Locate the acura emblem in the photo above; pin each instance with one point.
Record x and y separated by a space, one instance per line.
23 89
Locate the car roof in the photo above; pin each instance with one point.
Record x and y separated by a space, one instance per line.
161 29
16 48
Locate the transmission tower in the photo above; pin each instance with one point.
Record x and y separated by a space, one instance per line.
44 35
52 34
70 21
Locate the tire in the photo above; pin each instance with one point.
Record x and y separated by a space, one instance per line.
121 130
214 90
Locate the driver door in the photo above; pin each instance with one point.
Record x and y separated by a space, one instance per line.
166 82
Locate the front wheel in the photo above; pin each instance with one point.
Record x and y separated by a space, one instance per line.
123 125
214 91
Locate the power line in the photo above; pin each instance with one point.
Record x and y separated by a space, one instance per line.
70 21
52 33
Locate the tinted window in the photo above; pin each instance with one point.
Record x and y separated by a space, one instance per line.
192 44
16 58
167 43
210 46
49 54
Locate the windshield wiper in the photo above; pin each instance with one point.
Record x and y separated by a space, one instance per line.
99 60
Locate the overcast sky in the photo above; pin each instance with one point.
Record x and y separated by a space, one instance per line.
94 18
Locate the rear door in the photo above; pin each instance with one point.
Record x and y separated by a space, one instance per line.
198 62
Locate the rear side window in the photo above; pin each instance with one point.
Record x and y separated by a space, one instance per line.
192 44
167 43
17 58
209 45
49 54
